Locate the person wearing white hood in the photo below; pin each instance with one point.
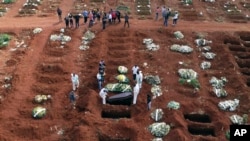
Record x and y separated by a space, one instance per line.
139 78
103 94
136 91
75 81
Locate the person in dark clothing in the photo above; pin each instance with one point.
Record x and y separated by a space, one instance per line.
148 101
71 20
59 13
98 15
104 21
102 65
77 18
126 20
72 98
66 19
118 14
94 15
166 16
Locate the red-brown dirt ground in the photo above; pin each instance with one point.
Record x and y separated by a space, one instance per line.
44 68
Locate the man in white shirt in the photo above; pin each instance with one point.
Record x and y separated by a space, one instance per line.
135 68
103 94
75 81
175 18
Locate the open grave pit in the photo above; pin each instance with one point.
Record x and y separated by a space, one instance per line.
44 89
243 63
96 0
51 79
50 68
56 52
244 36
242 55
118 34
116 112
201 130
118 54
196 117
118 62
118 47
107 138
237 48
119 40
191 14
120 132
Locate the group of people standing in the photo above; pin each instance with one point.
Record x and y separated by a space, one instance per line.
137 77
111 17
92 16
166 13
69 20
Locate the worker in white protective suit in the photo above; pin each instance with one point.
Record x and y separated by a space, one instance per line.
75 81
103 94
135 68
139 78
136 91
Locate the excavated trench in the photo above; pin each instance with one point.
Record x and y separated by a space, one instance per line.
245 71
50 68
119 47
54 52
242 55
237 48
248 81
11 62
232 41
203 118
200 130
243 63
118 54
119 62
245 37
240 49
246 43
116 114
107 138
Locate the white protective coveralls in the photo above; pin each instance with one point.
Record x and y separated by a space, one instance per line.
134 70
136 91
75 81
103 94
139 79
